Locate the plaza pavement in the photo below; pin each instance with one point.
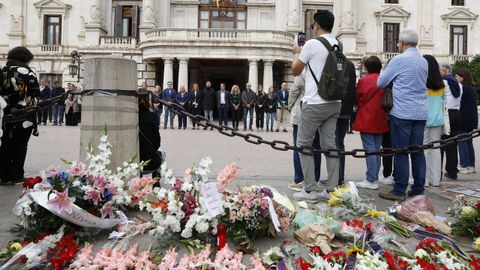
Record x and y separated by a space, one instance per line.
258 165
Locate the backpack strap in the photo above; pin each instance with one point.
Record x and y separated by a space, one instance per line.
327 44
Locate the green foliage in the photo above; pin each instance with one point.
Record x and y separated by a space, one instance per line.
474 67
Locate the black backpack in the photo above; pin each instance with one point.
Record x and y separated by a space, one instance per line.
333 82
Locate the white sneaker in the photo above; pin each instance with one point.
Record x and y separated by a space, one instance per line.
463 170
304 196
471 170
367 185
410 181
324 195
295 186
386 180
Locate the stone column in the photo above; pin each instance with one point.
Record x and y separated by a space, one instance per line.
183 73
348 31
281 9
149 19
164 13
253 74
293 19
95 26
267 74
118 112
167 71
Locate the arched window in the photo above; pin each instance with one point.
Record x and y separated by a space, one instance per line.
222 14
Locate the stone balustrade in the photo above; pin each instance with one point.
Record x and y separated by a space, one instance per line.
51 49
118 42
455 58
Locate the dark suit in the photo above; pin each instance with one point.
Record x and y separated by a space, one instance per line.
223 106
182 99
195 104
149 139
46 93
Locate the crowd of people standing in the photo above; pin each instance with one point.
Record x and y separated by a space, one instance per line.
68 112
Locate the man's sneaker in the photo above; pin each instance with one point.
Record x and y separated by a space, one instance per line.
367 185
391 196
471 170
386 180
463 170
324 195
295 186
304 196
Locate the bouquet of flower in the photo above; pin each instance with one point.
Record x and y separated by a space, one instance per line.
319 261
84 196
180 208
432 254
347 196
466 214
251 213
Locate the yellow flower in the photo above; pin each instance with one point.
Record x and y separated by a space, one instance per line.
376 214
16 246
333 201
339 191
476 244
354 251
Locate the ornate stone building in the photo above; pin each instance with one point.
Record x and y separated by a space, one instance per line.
232 41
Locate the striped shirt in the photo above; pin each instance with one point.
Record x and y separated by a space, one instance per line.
408 72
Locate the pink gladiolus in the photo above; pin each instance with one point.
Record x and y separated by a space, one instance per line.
62 201
107 210
52 171
78 170
227 175
99 182
84 258
93 195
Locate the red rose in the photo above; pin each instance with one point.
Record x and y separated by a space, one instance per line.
304 265
24 243
316 250
29 183
430 229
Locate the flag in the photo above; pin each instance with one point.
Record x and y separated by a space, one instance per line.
218 3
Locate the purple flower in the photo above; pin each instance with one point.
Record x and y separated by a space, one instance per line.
267 192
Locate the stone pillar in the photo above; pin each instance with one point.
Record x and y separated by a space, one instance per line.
117 112
149 19
167 71
95 25
253 74
164 13
293 19
281 8
425 24
267 74
183 73
348 32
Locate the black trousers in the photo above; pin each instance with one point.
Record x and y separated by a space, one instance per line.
341 132
387 162
13 152
196 111
450 152
237 115
260 119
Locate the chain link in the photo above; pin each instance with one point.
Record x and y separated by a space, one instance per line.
258 140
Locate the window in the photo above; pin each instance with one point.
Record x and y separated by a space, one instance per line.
126 21
458 2
391 32
52 30
391 1
228 14
458 40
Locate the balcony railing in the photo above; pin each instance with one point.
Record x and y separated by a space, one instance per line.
389 55
51 49
221 35
118 42
455 58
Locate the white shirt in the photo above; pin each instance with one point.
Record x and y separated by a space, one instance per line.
315 53
222 97
451 102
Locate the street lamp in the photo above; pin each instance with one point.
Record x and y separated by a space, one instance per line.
74 67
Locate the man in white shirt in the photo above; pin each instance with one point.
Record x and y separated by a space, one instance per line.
316 113
223 103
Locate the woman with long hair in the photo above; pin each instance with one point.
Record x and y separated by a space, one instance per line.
72 108
260 99
236 104
435 121
270 108
468 120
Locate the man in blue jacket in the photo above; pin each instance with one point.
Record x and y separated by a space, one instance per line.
168 95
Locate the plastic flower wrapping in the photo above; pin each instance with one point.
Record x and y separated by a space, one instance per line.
84 195
466 217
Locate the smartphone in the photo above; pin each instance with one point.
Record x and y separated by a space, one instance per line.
301 39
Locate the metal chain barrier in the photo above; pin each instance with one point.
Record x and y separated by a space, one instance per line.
258 140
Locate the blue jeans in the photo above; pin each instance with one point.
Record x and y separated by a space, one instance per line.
466 152
168 113
298 177
245 112
371 143
58 111
270 119
223 115
404 133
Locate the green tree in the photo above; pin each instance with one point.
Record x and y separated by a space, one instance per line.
474 67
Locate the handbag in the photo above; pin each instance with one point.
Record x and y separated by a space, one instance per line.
387 99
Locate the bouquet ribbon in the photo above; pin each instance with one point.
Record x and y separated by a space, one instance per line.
78 216
424 234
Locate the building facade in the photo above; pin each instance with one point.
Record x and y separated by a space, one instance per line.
231 41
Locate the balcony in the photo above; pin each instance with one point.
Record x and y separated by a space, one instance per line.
51 49
221 42
455 58
118 42
389 55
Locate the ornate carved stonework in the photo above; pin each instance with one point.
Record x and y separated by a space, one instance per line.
96 13
16 24
149 15
347 20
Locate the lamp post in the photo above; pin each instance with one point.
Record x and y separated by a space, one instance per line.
74 67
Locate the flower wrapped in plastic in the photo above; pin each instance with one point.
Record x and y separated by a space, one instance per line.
347 196
466 217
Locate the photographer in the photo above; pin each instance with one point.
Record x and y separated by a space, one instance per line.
20 89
